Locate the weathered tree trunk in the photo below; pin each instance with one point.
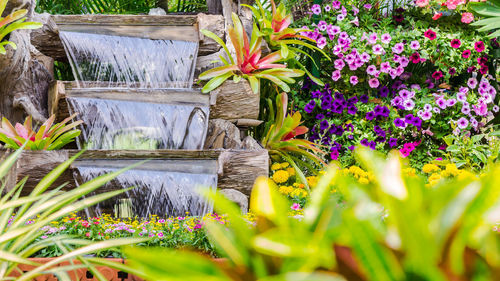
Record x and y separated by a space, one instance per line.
214 7
24 75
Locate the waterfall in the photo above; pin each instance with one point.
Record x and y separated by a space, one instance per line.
132 62
121 124
162 187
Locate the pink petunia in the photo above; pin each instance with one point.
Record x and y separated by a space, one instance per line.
467 17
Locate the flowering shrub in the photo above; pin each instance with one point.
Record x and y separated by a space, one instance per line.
396 83
174 232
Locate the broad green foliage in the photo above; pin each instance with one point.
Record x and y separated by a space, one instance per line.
117 6
248 64
473 152
48 137
274 25
281 139
393 229
18 230
15 21
491 12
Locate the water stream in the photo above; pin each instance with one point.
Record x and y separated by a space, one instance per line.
131 62
121 124
162 187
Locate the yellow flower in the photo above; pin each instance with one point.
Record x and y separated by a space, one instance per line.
363 181
285 189
434 178
275 166
410 172
312 181
452 170
291 171
430 168
280 176
465 175
299 185
284 165
297 192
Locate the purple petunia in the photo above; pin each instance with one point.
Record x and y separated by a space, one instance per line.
374 83
398 122
398 48
370 115
310 106
364 98
462 123
316 9
393 142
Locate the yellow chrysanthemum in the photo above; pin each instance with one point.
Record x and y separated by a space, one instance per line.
452 170
280 176
410 172
363 181
312 181
465 175
434 178
291 171
430 168
299 185
275 166
297 192
285 165
285 189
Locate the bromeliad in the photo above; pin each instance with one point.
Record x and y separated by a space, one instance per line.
48 137
14 21
248 64
281 139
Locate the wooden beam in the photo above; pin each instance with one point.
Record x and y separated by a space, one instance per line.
237 169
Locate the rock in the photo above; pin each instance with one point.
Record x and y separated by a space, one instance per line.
232 101
215 24
207 62
222 134
46 39
237 197
157 12
250 143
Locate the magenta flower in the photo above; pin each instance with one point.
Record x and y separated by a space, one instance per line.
479 46
385 67
441 103
340 17
295 207
336 5
374 83
327 8
372 39
437 75
426 115
322 25
431 35
455 43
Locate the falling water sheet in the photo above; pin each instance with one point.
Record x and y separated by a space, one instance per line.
132 62
161 187
121 124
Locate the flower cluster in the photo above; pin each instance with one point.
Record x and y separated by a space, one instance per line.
395 84
436 173
284 177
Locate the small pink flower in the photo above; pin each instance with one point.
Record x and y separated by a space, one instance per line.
467 17
295 206
422 3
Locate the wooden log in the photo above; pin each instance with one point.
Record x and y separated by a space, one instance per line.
237 169
60 90
233 101
175 27
214 7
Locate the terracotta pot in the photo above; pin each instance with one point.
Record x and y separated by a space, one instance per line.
80 274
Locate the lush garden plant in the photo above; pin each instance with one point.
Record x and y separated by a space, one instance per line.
372 234
248 63
14 21
402 82
22 219
49 136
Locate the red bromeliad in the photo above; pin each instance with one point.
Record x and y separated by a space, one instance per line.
48 137
249 64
